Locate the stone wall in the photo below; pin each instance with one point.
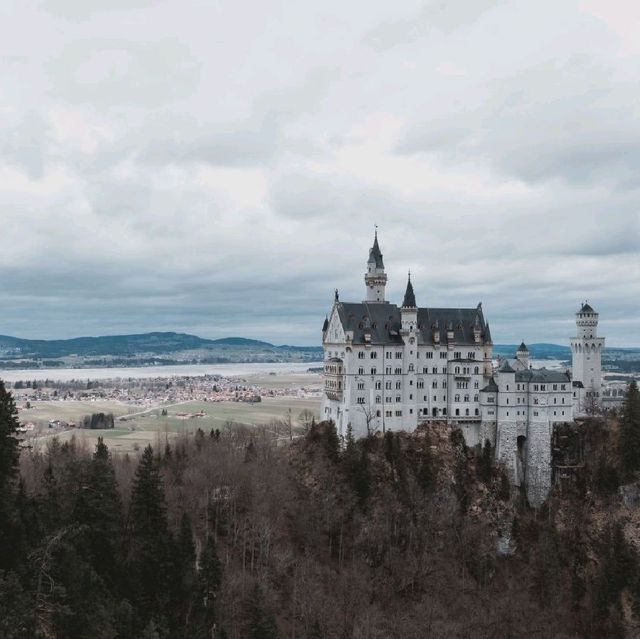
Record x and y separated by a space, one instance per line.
538 462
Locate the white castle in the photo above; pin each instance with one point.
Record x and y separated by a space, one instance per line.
390 368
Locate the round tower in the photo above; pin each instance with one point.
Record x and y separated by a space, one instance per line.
375 278
586 357
522 355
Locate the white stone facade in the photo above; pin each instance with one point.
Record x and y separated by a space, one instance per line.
391 368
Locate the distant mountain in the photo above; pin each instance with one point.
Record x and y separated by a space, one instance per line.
148 348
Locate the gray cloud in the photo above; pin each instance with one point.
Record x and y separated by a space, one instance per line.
218 167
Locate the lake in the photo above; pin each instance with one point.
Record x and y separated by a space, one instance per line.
146 372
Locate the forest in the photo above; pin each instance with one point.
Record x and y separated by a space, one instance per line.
234 534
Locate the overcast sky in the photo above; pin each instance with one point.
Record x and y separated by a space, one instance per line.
217 167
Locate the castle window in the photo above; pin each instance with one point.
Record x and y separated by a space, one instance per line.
466 411
434 370
411 367
360 385
434 384
361 371
429 355
378 385
535 413
444 411
387 385
476 385
410 395
361 355
435 398
457 370
535 400
398 399
563 387
398 385
471 355
555 387
374 355
420 384
398 413
466 398
457 355
477 411
543 387
507 386
378 399
444 384
457 411
388 413
388 354
457 398
398 371
360 400
387 370
476 398
377 413
388 400
476 370
398 354
443 354
374 371
411 411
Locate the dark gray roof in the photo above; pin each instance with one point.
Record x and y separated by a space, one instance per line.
409 296
577 384
325 326
381 321
487 334
586 308
543 375
374 253
523 348
491 387
505 367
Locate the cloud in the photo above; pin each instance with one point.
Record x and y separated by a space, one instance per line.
218 168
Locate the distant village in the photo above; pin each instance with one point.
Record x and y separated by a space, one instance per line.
146 394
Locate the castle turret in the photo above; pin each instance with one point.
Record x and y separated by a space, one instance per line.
522 355
375 278
586 352
409 310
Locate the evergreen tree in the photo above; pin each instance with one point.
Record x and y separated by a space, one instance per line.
185 572
10 531
209 582
486 462
629 442
426 474
99 508
150 541
261 623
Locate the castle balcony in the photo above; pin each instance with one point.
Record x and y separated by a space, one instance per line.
334 379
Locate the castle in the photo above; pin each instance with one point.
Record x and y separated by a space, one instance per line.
391 368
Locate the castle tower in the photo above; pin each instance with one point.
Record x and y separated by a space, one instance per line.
522 355
586 357
375 278
409 310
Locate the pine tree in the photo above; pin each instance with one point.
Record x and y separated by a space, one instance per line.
184 580
209 582
261 623
150 543
9 452
486 462
99 508
629 442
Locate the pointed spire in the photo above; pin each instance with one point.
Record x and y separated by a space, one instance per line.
337 297
375 255
523 348
487 334
325 326
409 295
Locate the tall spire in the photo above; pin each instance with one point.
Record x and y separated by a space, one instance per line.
409 295
375 255
375 278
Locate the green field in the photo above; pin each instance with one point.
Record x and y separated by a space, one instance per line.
138 430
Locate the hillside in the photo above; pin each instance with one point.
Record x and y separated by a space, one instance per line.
401 536
145 348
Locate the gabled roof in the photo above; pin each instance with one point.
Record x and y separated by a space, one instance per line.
543 375
491 387
381 323
505 367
